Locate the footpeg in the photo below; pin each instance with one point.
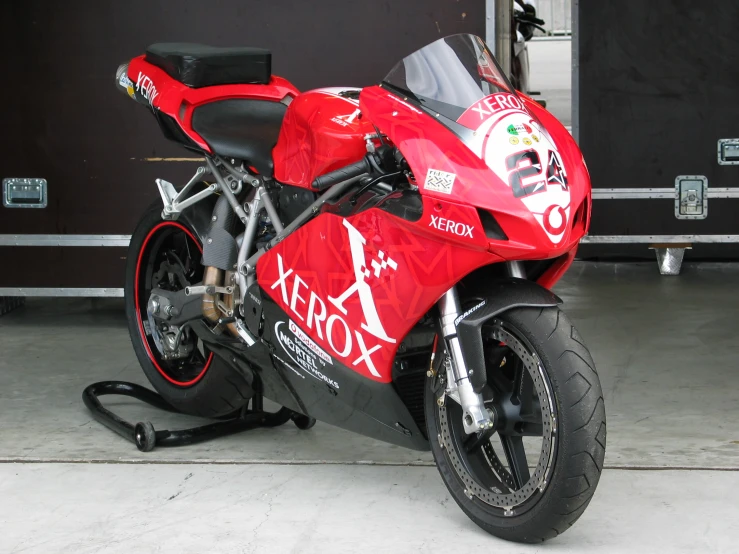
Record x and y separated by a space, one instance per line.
208 289
244 334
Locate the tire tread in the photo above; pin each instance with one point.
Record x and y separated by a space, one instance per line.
582 431
222 390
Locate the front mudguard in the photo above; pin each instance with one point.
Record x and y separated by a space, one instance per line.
500 296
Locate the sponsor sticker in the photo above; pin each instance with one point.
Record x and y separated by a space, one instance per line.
449 226
440 181
519 129
513 140
312 346
346 120
468 312
145 87
306 354
493 105
127 83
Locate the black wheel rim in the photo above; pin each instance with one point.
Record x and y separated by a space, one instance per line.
170 259
509 467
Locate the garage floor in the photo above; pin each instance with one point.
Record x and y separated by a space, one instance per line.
666 353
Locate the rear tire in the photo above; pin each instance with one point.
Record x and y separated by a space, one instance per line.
216 389
580 439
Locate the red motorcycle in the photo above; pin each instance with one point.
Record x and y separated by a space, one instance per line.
378 259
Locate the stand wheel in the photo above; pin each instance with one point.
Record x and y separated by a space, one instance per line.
144 436
303 422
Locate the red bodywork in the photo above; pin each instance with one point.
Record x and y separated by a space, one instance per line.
322 131
356 286
317 263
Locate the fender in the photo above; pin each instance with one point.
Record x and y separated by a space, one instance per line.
197 216
501 295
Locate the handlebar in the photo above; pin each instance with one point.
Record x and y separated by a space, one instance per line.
523 17
342 174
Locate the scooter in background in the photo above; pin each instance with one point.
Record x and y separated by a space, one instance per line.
524 24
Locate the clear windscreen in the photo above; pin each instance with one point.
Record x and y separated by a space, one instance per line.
449 76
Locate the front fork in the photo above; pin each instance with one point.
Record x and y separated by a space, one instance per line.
475 416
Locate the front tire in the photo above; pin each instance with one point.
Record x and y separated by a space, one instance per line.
202 385
573 428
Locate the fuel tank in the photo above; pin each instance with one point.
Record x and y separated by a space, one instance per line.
323 130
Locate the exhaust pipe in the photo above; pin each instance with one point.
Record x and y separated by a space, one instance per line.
214 277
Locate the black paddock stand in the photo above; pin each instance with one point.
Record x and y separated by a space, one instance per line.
145 437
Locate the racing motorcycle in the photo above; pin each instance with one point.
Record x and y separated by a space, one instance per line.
377 259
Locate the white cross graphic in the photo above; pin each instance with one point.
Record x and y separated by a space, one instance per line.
382 264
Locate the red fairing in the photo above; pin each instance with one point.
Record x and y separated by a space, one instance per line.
357 286
179 101
520 164
322 131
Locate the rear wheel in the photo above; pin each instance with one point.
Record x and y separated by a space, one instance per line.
167 255
532 476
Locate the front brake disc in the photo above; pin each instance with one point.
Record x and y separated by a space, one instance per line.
540 476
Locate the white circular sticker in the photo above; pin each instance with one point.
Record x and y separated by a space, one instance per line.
517 150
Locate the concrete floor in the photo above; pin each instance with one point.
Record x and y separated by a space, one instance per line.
666 353
80 509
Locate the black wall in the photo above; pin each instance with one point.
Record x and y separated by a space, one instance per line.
659 85
62 119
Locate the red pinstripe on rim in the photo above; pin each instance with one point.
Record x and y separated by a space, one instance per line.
138 309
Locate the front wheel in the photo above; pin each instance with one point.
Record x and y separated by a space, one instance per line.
532 476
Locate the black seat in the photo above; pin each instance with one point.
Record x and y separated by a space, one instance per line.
197 65
241 128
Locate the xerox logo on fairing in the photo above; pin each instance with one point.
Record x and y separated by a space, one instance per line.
315 312
449 226
145 87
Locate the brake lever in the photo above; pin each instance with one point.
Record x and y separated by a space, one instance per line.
372 183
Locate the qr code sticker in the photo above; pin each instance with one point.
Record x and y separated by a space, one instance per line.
439 181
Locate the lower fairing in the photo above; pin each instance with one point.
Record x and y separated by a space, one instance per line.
296 373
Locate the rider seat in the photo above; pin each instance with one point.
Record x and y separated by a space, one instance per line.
198 65
241 128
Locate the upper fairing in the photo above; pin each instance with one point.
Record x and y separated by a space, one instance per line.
521 153
506 155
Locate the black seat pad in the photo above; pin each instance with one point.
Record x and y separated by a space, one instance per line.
197 65
239 128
